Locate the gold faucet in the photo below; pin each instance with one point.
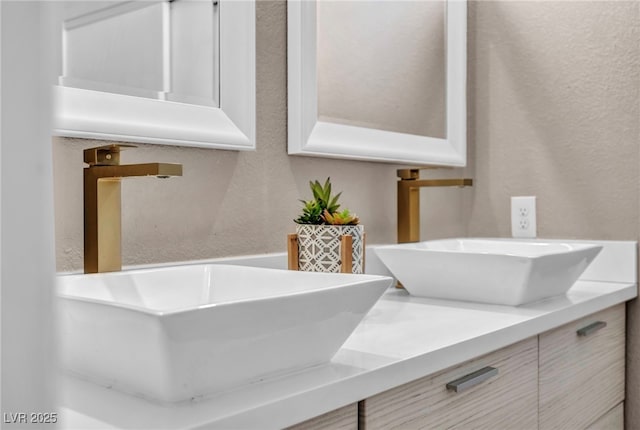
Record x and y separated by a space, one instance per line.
409 185
102 204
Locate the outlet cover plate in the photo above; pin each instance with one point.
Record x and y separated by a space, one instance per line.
523 217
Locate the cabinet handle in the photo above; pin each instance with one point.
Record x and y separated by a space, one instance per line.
472 379
591 328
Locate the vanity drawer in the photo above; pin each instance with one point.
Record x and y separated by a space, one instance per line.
582 370
507 398
345 418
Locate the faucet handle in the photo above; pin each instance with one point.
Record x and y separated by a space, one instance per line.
108 155
414 172
405 174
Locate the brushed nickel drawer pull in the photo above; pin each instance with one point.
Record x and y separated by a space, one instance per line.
472 379
591 328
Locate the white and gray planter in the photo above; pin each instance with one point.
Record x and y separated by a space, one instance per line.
319 247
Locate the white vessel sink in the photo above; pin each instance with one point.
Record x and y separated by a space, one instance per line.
177 333
497 271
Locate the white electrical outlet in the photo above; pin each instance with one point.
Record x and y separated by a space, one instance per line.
523 216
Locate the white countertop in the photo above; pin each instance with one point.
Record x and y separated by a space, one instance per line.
401 339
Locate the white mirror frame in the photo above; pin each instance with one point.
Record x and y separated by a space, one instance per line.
309 136
99 115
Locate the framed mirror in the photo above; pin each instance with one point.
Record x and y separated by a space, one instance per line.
176 72
378 80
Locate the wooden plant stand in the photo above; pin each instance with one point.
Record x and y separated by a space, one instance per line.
346 252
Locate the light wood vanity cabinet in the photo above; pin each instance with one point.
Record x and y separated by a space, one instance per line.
506 399
571 377
345 418
582 376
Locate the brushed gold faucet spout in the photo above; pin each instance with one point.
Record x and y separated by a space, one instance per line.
132 170
409 184
102 203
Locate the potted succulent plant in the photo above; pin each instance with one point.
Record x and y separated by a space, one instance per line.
320 229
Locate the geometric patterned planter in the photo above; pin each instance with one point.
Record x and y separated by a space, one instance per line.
319 247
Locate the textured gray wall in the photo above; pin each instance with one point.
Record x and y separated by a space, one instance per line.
554 105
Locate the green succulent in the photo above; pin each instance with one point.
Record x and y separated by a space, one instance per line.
323 208
340 218
311 213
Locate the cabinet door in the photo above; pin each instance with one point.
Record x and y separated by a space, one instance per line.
345 418
505 397
582 370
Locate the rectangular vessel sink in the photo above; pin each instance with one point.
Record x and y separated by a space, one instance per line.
497 271
178 333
